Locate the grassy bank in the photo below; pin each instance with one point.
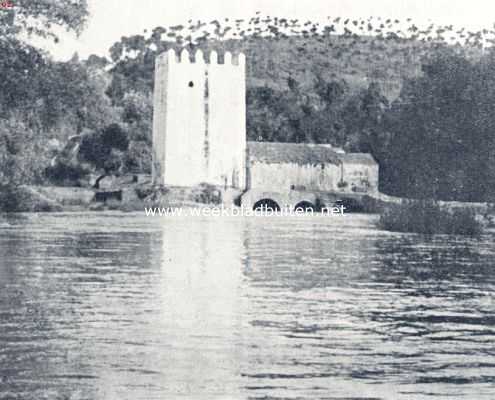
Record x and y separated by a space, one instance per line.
23 198
135 197
428 217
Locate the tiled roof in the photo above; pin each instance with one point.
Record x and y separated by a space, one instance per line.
358 158
302 153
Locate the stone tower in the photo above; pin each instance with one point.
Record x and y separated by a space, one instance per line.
199 121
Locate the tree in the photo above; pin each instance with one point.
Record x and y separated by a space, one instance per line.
364 116
45 93
73 94
268 115
105 149
37 94
20 156
39 17
443 127
21 161
20 64
137 113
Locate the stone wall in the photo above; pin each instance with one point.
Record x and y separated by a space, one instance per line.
291 176
360 178
357 178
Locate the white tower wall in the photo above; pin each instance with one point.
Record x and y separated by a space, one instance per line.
227 123
199 122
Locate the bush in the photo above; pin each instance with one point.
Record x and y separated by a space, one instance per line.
207 194
113 162
489 216
21 199
151 193
11 198
143 191
427 217
103 148
22 156
114 136
65 174
93 150
138 157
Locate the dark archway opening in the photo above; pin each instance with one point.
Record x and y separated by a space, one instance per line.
266 205
98 180
305 206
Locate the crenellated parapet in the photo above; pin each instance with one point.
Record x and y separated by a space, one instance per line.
198 57
199 118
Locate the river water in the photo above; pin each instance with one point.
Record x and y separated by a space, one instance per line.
121 306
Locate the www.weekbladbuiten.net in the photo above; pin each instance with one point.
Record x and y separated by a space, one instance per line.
262 211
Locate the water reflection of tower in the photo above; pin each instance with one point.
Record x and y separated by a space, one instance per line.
201 274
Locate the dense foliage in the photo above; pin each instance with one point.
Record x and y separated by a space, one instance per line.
41 16
39 98
427 217
419 102
443 122
21 161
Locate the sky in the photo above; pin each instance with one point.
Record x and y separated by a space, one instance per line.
112 19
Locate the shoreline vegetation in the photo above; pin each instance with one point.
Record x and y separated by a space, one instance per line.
429 217
367 85
132 197
407 215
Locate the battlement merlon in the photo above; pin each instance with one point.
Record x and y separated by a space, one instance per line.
184 57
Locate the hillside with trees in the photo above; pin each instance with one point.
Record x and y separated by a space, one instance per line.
407 99
419 100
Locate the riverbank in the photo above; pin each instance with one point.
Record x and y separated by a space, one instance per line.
429 217
130 195
125 197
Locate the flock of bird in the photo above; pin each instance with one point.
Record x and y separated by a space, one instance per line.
382 49
280 28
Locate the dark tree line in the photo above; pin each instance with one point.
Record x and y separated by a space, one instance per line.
443 124
44 102
435 140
